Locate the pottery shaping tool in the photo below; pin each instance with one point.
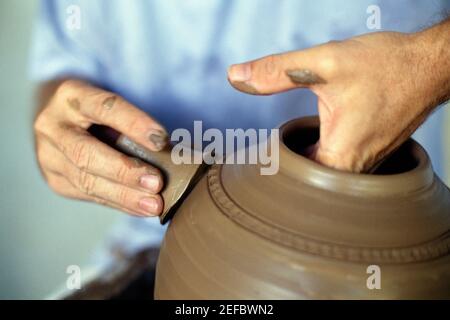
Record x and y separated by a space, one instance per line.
179 179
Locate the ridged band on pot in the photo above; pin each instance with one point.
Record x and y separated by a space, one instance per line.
433 249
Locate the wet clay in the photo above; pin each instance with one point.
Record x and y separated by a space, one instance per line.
109 102
74 104
310 232
159 138
245 87
304 77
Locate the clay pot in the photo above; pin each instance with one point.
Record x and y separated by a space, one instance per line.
310 232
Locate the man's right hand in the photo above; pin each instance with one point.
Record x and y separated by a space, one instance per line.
78 165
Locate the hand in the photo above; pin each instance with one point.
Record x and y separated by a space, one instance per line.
77 165
373 91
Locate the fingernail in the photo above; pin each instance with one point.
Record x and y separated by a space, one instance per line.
240 72
149 205
244 87
159 139
150 182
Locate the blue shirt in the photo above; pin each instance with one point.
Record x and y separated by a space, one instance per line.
170 57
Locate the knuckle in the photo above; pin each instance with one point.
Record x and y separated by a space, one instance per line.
67 87
122 174
64 89
82 155
123 196
41 124
328 66
329 62
86 182
270 65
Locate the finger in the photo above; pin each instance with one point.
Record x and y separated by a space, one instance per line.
95 186
120 195
106 108
93 156
339 147
281 72
62 186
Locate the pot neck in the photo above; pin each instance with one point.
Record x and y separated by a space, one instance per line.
416 176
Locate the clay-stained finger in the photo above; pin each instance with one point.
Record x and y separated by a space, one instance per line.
107 108
89 154
62 186
94 186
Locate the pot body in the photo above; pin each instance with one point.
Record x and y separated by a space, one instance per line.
310 232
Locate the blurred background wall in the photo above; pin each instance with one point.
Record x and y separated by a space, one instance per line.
40 233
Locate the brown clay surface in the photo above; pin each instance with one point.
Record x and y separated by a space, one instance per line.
310 231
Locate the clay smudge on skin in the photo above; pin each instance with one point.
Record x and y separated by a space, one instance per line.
136 163
65 126
304 77
109 102
74 103
159 139
132 163
244 87
68 126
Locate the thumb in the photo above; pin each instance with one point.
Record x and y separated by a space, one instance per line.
277 73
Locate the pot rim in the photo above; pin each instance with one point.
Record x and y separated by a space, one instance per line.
320 176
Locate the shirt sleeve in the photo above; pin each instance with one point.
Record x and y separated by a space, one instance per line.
60 47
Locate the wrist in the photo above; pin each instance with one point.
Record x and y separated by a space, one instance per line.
431 48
